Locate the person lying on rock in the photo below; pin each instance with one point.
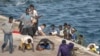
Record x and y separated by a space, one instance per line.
26 43
45 44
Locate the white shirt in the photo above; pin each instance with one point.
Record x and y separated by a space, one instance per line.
25 38
7 27
33 14
61 33
39 28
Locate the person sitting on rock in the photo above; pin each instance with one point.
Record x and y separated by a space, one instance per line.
53 30
26 43
45 44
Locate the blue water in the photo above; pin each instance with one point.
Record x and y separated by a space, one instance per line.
84 15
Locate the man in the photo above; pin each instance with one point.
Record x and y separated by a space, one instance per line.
80 40
65 30
65 49
7 30
45 44
53 30
60 31
27 24
26 43
34 17
40 30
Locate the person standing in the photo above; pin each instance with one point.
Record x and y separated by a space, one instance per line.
65 49
34 17
27 23
7 30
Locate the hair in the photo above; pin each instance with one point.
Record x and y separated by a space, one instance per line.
27 9
10 17
29 40
44 25
65 24
92 46
63 41
81 35
31 5
52 25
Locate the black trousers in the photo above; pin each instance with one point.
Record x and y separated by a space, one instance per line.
29 31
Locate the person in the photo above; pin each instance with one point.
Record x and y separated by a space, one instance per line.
60 31
65 30
7 30
34 17
26 43
53 31
27 24
45 44
65 49
74 36
40 30
92 47
80 40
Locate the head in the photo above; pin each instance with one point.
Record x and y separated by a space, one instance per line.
68 26
65 25
53 26
60 27
27 10
80 36
92 46
63 41
10 19
31 6
73 30
29 41
43 26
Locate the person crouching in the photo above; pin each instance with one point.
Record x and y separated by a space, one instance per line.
45 44
26 43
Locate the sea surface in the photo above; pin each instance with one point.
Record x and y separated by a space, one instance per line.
84 15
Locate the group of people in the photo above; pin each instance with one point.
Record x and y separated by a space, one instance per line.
67 32
29 27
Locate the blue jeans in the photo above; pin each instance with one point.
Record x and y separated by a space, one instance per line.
45 47
6 38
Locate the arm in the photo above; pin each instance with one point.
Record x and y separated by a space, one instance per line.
52 44
41 33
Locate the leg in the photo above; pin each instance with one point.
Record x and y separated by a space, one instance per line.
48 47
30 31
10 43
24 31
5 42
23 47
32 47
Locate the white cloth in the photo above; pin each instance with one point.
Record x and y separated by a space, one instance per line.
25 38
39 28
33 14
61 33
